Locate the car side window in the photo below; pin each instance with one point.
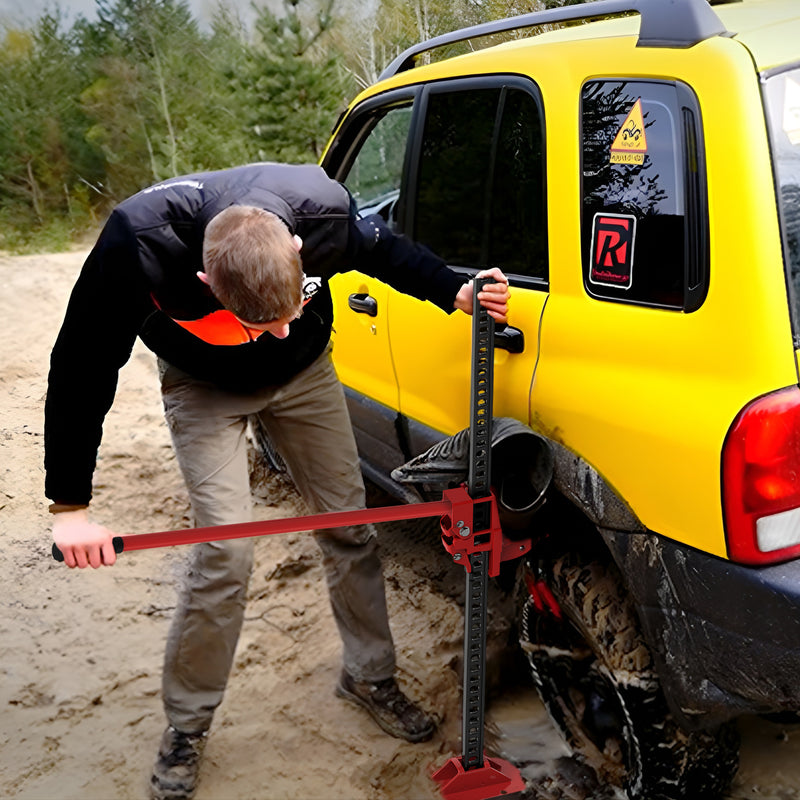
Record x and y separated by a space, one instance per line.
458 166
644 228
376 173
479 189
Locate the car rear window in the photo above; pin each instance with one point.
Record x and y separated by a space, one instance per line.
644 234
782 99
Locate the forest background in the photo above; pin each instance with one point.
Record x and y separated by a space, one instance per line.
96 109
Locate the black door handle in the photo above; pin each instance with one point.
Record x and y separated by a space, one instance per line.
363 304
508 338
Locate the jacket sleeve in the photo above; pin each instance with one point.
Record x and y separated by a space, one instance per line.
409 267
104 313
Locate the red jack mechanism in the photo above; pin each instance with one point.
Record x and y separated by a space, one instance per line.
480 548
471 534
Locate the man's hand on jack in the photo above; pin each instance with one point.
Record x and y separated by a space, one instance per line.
83 543
494 297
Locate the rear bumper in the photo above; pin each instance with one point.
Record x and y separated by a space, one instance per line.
726 638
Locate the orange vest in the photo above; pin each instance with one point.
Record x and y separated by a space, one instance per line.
219 327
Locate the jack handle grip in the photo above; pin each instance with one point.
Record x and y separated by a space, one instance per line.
119 546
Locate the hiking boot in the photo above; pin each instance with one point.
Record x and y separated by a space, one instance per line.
389 707
175 771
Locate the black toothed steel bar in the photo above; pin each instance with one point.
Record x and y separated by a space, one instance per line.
473 700
480 432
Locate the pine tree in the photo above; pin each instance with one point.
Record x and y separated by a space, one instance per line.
295 86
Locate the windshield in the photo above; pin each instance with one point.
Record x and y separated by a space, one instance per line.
782 98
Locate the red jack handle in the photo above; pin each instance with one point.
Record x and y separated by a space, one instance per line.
331 519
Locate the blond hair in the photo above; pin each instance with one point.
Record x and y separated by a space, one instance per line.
252 264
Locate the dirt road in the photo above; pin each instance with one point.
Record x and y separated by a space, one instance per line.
80 651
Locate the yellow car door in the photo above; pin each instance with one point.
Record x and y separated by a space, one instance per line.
476 196
458 166
431 351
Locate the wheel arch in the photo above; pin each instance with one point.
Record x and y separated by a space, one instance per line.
580 483
587 514
682 598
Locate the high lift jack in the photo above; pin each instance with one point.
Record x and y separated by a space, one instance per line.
471 533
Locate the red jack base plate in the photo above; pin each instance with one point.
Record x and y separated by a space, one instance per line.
496 778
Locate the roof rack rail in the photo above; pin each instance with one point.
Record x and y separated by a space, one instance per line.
665 23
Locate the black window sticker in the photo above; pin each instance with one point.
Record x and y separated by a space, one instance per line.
612 250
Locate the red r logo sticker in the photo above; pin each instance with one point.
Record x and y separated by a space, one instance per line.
613 238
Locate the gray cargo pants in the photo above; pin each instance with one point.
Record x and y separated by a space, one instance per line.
308 423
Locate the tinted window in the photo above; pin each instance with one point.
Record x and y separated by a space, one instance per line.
479 190
643 194
453 176
518 222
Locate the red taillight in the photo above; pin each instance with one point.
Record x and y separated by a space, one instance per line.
761 480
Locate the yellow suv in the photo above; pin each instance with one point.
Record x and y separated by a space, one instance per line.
634 167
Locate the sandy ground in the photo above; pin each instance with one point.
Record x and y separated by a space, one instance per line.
80 651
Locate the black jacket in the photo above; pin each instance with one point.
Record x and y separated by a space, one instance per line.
141 276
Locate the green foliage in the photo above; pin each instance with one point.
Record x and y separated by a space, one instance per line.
44 157
294 84
159 104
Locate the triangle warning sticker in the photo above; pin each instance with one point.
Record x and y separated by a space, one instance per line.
630 143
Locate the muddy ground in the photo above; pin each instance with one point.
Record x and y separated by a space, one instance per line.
80 651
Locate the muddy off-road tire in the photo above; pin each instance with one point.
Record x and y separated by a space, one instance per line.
595 676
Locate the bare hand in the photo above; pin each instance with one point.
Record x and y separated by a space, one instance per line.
494 297
83 543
